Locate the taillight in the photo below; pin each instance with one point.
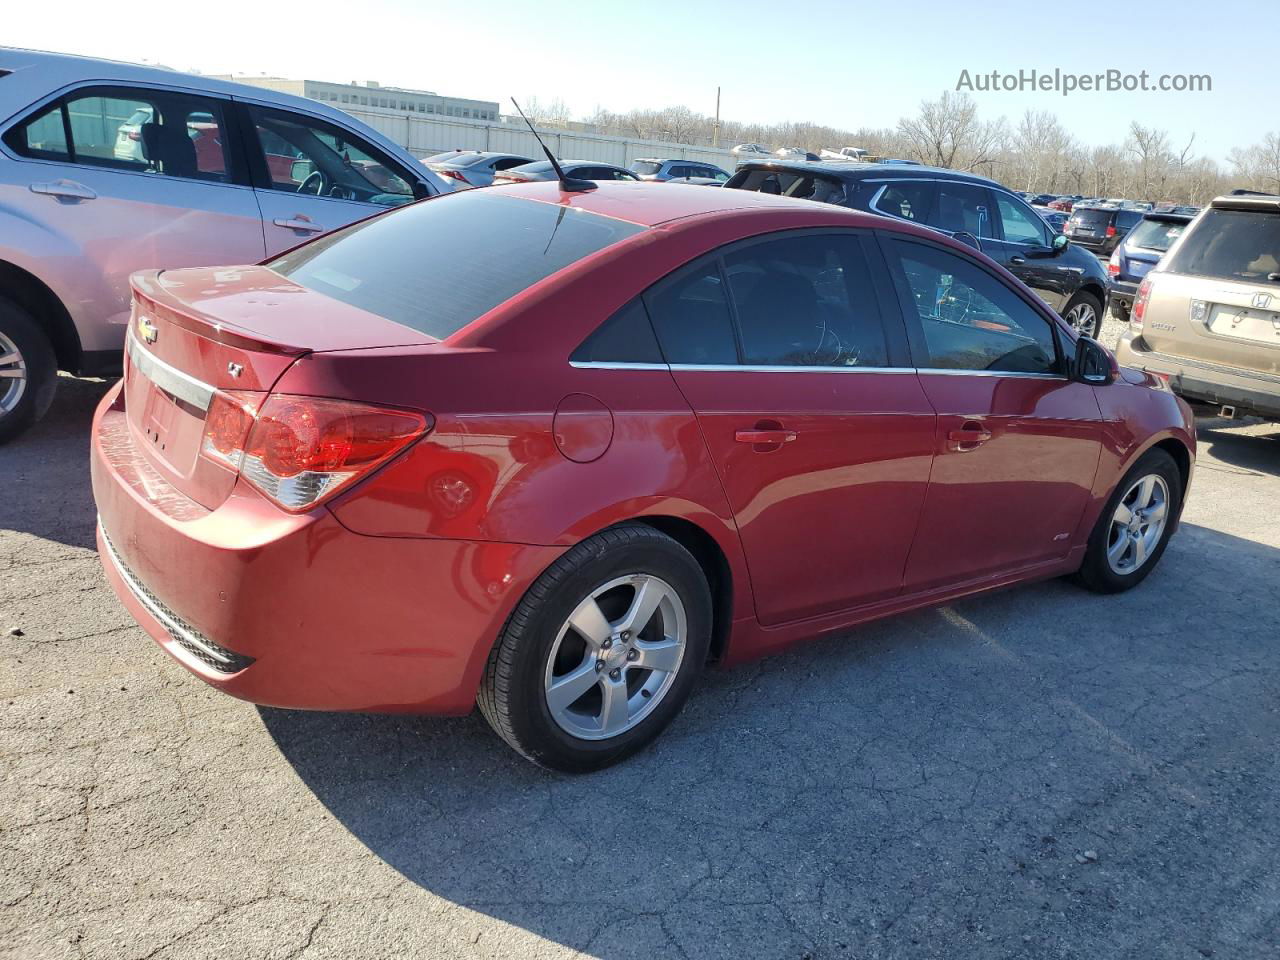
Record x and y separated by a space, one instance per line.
135 135
1140 305
1111 231
455 175
1113 265
300 451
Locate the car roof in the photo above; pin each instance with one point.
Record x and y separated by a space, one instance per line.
652 204
844 170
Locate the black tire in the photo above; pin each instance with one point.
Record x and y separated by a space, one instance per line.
37 355
1095 572
1084 298
512 696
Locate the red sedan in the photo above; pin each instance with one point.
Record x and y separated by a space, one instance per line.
553 452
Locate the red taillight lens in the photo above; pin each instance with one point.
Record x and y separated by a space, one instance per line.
1140 304
302 450
1113 265
455 175
135 135
1111 231
226 425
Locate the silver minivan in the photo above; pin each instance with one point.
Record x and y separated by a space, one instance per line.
108 168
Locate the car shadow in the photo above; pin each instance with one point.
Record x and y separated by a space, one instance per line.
904 783
40 495
1259 452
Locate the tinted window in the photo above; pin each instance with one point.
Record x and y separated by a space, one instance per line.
908 199
43 137
1126 219
1156 234
506 163
646 168
970 320
304 155
1020 224
691 317
1092 216
1233 245
806 301
626 337
436 266
962 206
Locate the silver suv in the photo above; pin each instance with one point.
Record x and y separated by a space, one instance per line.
107 168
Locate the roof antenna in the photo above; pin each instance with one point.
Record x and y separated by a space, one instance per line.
567 184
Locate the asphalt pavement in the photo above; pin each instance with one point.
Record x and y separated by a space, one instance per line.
1036 773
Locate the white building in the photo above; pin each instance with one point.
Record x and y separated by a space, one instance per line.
372 94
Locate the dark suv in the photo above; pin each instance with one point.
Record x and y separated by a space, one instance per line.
972 208
1101 229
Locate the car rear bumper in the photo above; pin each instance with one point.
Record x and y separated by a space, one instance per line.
1209 383
298 611
1121 294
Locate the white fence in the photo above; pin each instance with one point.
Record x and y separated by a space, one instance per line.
424 136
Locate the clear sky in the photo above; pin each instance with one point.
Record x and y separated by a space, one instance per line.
846 64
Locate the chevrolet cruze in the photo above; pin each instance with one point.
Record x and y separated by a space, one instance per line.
553 450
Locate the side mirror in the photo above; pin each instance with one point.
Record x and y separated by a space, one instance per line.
420 190
300 170
1060 242
1093 363
965 237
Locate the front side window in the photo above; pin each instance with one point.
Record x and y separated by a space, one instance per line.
806 302
907 200
1020 224
968 318
437 266
309 156
137 130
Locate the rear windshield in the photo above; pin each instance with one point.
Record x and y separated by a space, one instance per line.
464 159
1232 245
1091 215
437 265
646 168
1156 234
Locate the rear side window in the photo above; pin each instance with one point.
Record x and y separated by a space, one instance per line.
1232 245
969 319
626 337
691 316
962 207
908 200
438 265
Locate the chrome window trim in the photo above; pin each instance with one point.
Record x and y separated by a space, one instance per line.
949 372
778 368
615 365
775 368
168 377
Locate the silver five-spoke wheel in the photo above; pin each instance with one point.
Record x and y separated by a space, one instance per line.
1138 524
616 657
13 375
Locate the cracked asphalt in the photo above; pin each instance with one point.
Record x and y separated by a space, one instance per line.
1036 773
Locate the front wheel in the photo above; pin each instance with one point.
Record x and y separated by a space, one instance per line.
1084 313
601 653
1133 529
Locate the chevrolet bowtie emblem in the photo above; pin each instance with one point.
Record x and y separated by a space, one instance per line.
147 330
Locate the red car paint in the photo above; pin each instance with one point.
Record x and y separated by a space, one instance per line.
900 490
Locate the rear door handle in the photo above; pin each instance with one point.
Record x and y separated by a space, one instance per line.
1017 259
765 436
299 223
64 190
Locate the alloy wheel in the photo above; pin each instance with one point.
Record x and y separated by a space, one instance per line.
1138 524
1083 318
615 657
13 375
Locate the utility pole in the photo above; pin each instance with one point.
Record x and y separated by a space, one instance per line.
715 130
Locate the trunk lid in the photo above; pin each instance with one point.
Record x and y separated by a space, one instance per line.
1220 321
196 333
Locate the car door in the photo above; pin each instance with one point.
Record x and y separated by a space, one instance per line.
1017 442
129 178
1024 246
312 176
819 429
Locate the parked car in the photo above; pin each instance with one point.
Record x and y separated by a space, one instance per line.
579 169
791 153
1141 249
1063 204
609 436
747 150
223 173
1069 279
1207 316
474 168
1101 229
1055 218
1043 199
653 168
844 153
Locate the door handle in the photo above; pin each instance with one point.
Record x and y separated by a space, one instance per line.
1016 259
299 223
775 436
968 437
64 190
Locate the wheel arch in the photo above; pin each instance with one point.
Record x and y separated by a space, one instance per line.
46 309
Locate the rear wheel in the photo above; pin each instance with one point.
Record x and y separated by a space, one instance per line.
601 653
1133 529
28 371
1084 313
